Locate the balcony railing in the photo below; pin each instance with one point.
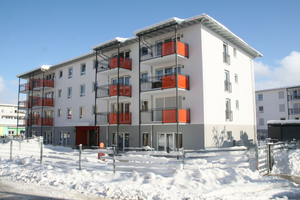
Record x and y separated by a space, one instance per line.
159 50
165 115
112 90
124 118
228 115
103 118
293 97
227 86
294 111
36 120
165 82
37 102
35 84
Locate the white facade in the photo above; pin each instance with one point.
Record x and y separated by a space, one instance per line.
218 101
9 120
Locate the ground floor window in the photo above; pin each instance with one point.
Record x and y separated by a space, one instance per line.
48 137
64 138
123 141
11 132
145 139
32 134
167 141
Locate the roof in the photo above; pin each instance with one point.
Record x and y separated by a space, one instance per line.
206 20
113 44
279 88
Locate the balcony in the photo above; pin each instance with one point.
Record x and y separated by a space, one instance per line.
36 120
107 68
165 115
168 81
226 58
227 86
293 97
37 102
164 50
294 111
36 84
124 118
109 91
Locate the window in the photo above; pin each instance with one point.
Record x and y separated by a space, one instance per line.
237 105
236 78
82 90
145 139
260 97
281 94
64 138
94 86
241 134
69 92
69 111
234 52
283 118
93 109
60 74
281 108
261 109
58 112
226 57
11 132
144 78
228 112
70 72
127 81
82 69
229 135
59 93
82 112
144 51
144 105
261 121
114 139
227 84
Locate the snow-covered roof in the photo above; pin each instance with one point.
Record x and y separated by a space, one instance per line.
112 44
278 88
283 122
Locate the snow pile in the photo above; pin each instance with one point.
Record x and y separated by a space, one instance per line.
200 179
287 162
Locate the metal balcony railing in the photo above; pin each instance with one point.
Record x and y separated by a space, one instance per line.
159 50
228 115
164 82
226 58
294 111
165 115
112 90
293 97
227 86
125 63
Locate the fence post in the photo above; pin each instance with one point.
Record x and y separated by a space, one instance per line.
11 144
182 150
20 143
114 167
41 153
80 151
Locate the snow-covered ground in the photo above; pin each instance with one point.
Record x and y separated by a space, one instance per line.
200 178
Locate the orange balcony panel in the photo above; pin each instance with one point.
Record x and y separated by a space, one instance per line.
47 83
124 90
170 81
124 63
47 102
124 118
46 121
169 116
169 48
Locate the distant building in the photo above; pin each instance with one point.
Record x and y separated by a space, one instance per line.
178 83
276 104
9 120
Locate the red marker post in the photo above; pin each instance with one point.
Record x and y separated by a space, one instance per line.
101 145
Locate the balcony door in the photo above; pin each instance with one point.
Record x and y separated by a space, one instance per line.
166 142
123 141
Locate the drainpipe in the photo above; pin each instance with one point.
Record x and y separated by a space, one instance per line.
177 113
95 88
139 92
42 103
118 94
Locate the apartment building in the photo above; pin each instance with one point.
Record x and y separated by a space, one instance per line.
178 83
281 103
9 118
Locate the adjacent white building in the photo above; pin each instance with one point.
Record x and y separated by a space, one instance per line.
178 83
276 104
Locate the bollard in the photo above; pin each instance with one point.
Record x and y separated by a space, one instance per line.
11 144
41 153
80 151
114 167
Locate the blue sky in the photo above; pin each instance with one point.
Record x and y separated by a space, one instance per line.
36 32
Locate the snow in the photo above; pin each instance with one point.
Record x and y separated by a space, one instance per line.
199 178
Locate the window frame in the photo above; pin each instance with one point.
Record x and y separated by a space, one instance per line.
82 90
70 72
69 92
82 66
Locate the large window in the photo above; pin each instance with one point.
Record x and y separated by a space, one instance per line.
69 111
64 138
69 92
81 112
70 72
82 90
261 109
226 57
227 84
260 97
82 69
